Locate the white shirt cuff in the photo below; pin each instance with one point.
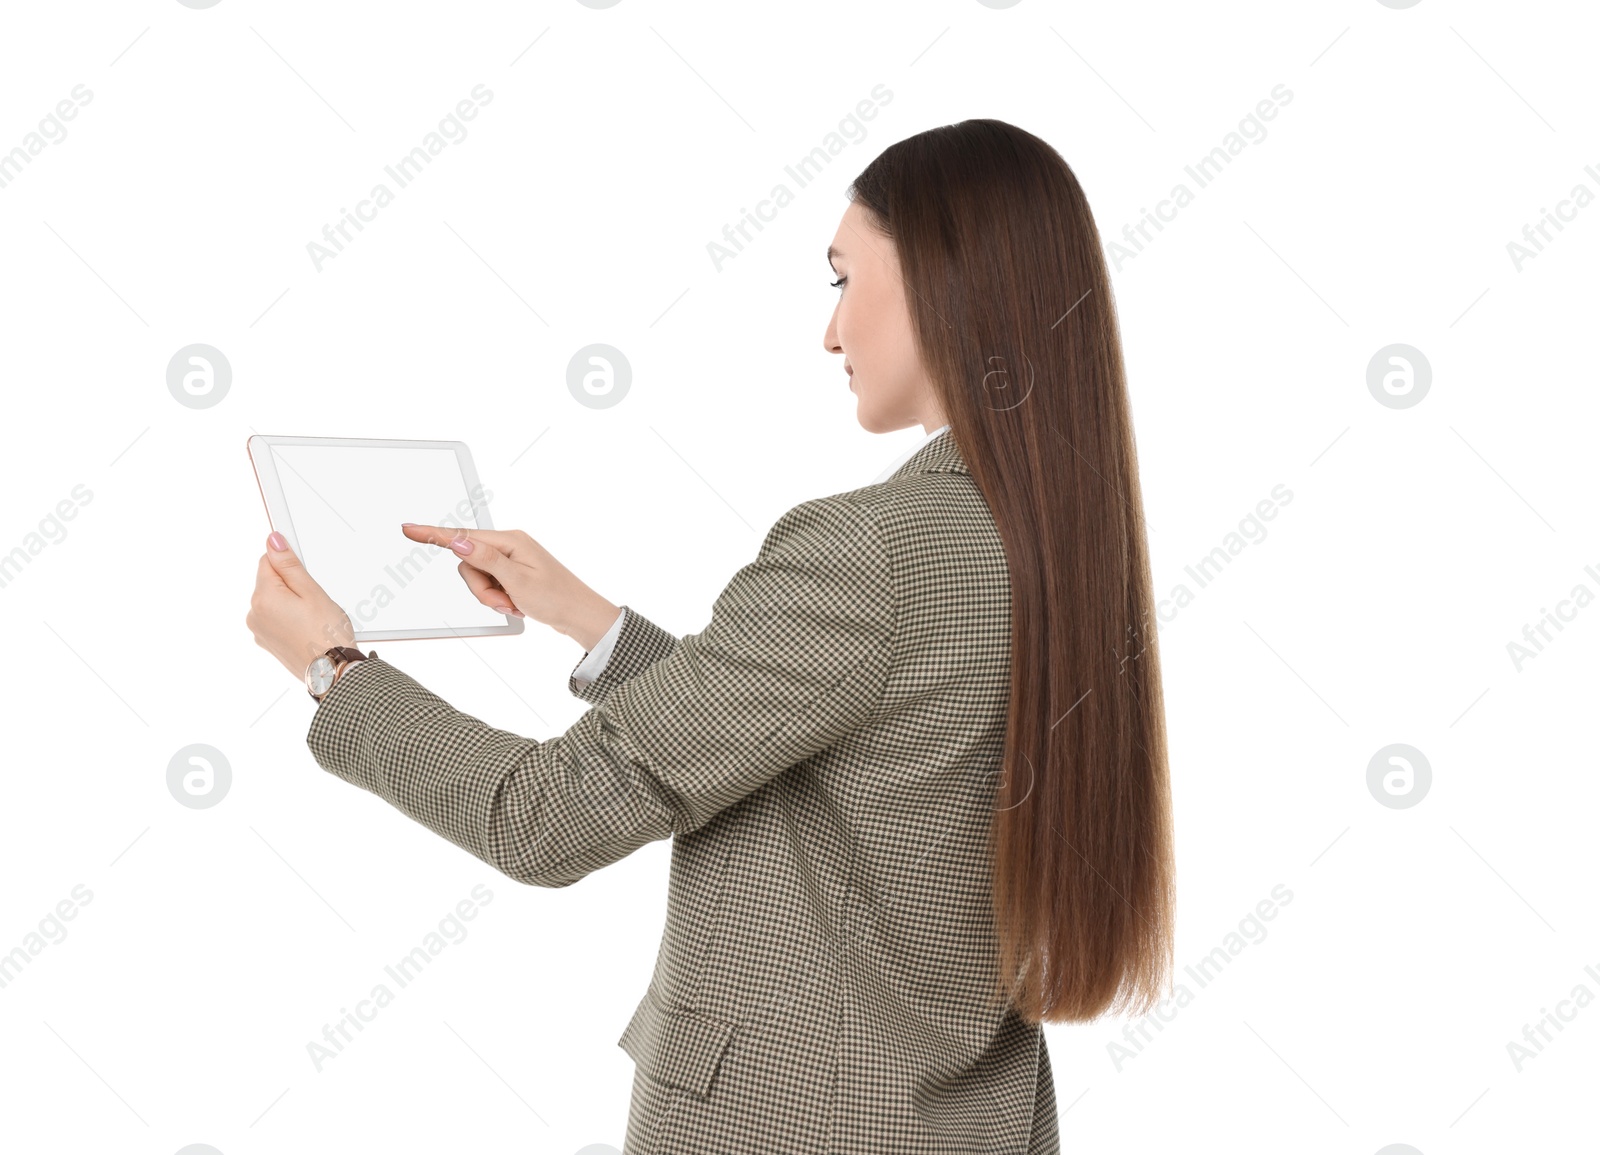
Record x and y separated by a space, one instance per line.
594 663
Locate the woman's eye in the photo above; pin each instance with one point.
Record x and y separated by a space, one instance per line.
836 284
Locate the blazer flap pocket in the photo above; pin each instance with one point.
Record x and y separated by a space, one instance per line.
676 1046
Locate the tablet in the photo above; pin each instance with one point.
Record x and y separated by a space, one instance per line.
340 501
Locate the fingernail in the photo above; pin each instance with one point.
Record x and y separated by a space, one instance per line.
513 611
403 524
276 540
462 545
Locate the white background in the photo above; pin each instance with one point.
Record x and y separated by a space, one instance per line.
1378 609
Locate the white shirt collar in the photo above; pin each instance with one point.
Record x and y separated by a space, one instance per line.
908 455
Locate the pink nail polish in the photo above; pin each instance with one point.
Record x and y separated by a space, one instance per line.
462 545
277 541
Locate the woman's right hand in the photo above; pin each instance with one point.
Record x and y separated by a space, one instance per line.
511 573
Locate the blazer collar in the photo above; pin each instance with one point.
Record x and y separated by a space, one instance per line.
939 455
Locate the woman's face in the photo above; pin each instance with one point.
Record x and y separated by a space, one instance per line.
871 326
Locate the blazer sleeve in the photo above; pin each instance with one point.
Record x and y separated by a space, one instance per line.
639 642
795 657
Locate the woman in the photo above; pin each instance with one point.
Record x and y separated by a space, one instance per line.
914 768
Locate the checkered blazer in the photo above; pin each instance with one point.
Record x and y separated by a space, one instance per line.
824 755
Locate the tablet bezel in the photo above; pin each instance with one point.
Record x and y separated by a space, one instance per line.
259 446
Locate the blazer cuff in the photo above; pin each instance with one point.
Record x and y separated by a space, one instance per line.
639 644
594 662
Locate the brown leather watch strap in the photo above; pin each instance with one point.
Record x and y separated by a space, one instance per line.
342 658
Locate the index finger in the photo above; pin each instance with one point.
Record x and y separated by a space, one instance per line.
443 535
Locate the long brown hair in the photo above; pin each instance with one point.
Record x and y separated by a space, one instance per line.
1014 320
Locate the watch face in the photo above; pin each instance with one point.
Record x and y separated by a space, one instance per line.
319 675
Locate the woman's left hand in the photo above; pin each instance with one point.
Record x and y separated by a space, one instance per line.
291 616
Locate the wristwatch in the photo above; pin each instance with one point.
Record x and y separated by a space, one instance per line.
325 669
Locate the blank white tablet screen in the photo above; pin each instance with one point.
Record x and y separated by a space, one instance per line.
346 504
